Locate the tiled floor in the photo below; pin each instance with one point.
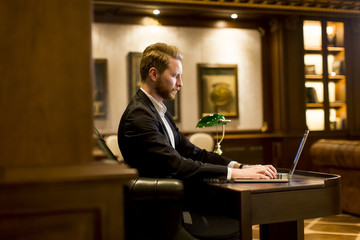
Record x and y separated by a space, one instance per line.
339 227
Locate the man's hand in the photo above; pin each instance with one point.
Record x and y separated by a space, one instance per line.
254 171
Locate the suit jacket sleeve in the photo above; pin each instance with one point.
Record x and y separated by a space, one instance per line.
145 145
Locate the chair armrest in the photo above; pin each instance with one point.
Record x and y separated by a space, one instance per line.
153 205
156 188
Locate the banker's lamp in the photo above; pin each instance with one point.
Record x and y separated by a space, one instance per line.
212 121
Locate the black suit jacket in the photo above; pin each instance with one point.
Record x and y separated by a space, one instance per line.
145 145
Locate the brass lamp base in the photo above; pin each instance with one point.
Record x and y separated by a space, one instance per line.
218 149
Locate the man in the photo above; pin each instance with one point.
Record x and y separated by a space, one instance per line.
149 139
150 142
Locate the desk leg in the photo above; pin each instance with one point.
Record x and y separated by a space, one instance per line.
283 231
245 216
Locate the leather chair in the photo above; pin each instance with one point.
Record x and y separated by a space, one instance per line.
112 142
342 157
153 206
203 140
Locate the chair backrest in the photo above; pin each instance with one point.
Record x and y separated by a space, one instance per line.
112 142
203 140
100 142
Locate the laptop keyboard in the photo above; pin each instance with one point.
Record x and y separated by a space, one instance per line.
282 176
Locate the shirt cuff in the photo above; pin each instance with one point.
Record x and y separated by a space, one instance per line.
231 164
228 177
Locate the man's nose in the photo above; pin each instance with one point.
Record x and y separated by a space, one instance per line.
179 81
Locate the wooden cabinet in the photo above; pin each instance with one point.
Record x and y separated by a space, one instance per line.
325 77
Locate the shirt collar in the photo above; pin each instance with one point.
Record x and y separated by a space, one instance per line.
160 107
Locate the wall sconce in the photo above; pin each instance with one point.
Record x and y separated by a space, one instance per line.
212 121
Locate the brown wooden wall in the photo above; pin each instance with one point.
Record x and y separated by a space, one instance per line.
49 186
45 82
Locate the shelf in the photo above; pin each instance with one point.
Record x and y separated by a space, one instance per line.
314 105
337 104
319 49
336 77
313 49
320 77
321 105
336 49
314 77
325 80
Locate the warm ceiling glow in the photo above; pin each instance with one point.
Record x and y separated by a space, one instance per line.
156 12
149 21
234 16
221 24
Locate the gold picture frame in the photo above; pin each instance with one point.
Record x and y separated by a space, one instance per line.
218 89
100 88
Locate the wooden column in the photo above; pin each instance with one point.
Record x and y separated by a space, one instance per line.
49 186
45 90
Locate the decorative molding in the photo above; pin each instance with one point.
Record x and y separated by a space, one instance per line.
334 6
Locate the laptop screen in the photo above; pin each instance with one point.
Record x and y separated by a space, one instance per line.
303 140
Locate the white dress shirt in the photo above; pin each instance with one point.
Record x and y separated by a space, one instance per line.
161 109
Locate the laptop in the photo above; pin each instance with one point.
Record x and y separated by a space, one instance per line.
281 177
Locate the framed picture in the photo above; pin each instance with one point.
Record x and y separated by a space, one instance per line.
310 69
100 88
134 84
134 72
218 84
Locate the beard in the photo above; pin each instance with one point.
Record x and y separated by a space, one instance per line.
164 92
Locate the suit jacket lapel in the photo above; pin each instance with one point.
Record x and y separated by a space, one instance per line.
143 96
172 124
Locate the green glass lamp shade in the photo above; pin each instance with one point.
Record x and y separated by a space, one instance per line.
212 120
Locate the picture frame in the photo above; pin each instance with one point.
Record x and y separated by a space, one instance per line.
134 72
100 88
310 69
134 84
218 89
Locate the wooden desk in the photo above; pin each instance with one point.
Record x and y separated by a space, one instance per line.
280 208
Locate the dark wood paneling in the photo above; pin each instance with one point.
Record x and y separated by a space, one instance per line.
74 202
70 226
49 187
352 39
45 90
294 72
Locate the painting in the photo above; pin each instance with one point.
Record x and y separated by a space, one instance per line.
218 89
134 84
310 69
100 88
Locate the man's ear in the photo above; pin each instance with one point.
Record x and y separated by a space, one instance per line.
153 73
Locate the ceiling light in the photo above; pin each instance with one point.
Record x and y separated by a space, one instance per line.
234 16
156 12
